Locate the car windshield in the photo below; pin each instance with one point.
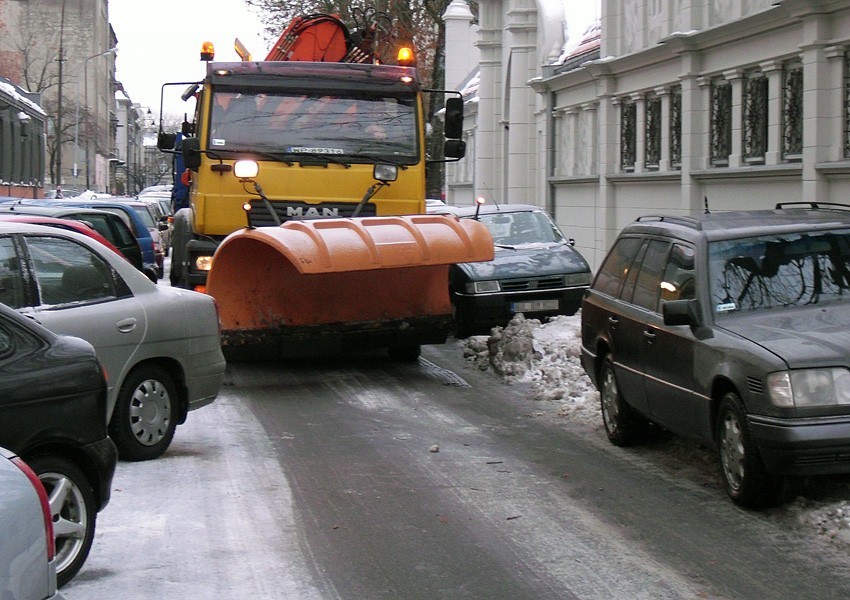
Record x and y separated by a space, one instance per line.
341 127
781 270
518 228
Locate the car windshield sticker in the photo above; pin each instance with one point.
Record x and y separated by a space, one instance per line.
218 142
729 306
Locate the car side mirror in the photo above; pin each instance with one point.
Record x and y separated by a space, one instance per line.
681 312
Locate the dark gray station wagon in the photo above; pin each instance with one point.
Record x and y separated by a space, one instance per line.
733 329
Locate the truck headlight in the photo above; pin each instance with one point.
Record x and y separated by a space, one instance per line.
203 263
809 387
482 287
246 169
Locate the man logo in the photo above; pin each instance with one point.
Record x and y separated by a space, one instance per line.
310 212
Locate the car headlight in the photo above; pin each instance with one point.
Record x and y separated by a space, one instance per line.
203 263
809 387
577 278
482 287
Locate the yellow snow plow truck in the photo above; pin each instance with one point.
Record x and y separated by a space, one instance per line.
305 179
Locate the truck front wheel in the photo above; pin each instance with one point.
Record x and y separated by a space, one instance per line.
180 235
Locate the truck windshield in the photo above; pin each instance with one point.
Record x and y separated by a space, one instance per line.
365 127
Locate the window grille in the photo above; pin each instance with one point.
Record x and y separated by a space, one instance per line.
847 104
755 117
721 122
792 110
653 133
628 135
676 127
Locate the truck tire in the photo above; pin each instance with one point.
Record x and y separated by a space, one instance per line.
181 233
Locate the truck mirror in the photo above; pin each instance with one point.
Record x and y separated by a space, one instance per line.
192 153
455 149
454 118
166 141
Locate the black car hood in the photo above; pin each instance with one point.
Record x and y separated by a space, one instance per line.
803 337
528 260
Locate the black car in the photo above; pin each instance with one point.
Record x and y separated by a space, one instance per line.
107 224
536 270
730 328
53 415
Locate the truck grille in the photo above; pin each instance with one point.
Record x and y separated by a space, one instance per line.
287 210
525 285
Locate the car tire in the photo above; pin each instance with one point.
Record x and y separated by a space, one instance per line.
745 478
72 505
145 415
623 426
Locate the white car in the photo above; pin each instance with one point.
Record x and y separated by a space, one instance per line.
27 559
160 346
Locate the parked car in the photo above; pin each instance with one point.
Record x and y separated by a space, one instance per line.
53 414
111 226
157 223
27 554
67 224
730 328
152 257
160 345
536 270
162 200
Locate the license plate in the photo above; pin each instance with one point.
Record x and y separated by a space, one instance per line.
534 306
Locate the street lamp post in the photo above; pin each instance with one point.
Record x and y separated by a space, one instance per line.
87 116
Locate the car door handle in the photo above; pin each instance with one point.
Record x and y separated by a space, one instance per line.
649 335
613 321
126 325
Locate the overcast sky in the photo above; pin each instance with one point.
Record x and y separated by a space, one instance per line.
159 41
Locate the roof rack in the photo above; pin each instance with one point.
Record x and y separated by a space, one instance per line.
813 205
678 219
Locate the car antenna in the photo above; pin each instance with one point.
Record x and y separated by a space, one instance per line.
479 201
706 205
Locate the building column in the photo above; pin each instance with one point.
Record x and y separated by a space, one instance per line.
736 80
488 166
773 71
664 160
640 132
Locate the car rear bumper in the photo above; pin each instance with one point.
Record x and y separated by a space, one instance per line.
480 312
204 378
102 456
814 446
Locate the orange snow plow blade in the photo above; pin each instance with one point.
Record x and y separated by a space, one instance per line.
384 278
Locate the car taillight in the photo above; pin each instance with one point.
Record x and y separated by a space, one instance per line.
45 505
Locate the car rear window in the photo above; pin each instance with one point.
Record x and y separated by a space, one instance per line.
773 271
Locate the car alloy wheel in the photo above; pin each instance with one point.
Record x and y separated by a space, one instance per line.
72 507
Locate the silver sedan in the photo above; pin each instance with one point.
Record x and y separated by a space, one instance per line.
160 346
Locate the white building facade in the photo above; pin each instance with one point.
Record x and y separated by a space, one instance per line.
692 103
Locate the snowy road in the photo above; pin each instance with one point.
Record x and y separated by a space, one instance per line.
432 480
